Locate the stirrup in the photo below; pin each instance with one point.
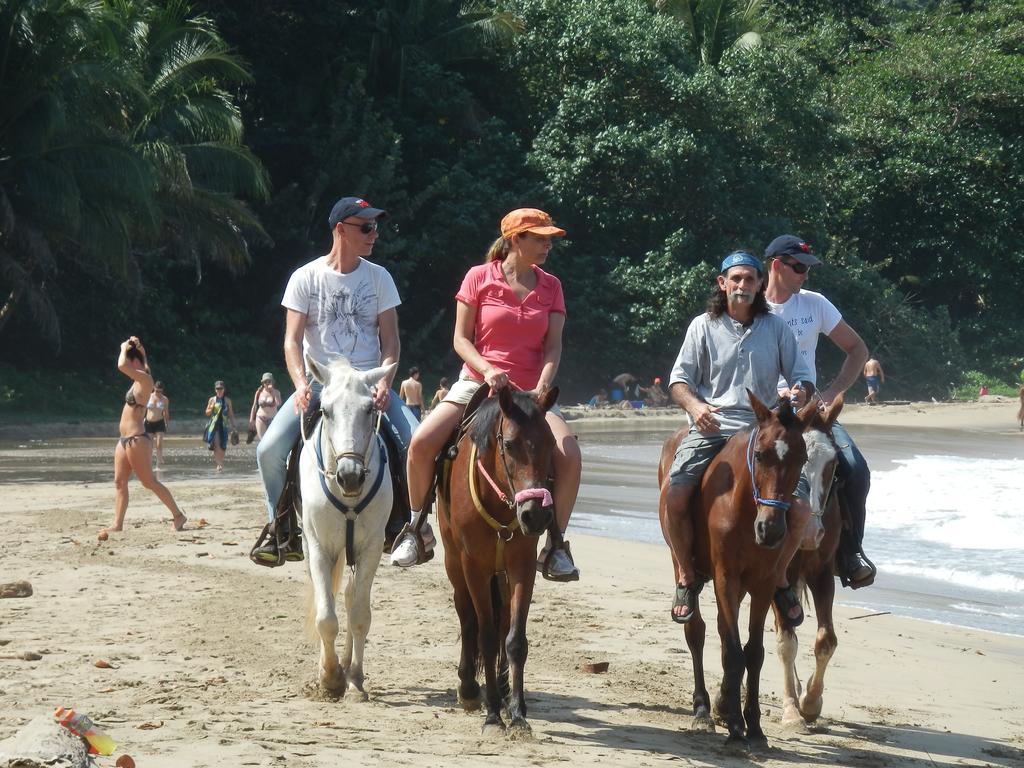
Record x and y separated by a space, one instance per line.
265 551
867 581
423 554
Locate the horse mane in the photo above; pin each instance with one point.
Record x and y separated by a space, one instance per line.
524 409
787 416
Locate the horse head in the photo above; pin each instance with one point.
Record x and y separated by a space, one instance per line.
524 446
822 455
347 425
775 454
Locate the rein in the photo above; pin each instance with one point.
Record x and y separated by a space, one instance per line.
777 503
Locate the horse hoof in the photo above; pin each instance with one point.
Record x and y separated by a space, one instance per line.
357 694
702 724
737 742
469 704
519 731
334 685
493 731
810 709
757 741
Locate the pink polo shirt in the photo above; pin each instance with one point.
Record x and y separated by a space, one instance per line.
510 333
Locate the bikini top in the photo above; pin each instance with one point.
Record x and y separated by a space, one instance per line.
155 403
267 402
129 399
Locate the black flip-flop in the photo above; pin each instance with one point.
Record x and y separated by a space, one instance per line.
686 595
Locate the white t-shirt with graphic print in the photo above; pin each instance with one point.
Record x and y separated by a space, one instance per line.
807 314
341 310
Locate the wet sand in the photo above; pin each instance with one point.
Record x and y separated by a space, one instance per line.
211 665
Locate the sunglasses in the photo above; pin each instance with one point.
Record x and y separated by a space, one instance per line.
796 266
366 228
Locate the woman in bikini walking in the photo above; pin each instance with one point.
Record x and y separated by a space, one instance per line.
134 451
158 418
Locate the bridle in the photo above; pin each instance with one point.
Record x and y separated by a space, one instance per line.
758 499
362 459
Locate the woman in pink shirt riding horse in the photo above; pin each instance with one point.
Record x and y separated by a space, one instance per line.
508 330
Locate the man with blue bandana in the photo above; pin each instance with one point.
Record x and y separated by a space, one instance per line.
735 346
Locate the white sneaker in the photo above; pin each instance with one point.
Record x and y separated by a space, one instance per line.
405 552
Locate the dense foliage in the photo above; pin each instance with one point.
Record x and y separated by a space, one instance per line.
163 167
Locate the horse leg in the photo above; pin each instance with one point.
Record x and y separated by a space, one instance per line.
754 656
488 641
727 703
823 590
323 570
786 647
357 608
696 632
518 647
468 692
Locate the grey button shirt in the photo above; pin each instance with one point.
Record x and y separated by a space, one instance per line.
720 359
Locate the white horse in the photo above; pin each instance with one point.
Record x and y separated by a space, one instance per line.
346 500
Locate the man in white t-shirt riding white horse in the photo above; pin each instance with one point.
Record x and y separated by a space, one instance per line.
809 314
339 305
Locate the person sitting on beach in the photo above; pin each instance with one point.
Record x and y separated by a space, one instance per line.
654 396
158 419
340 305
134 449
411 393
737 345
221 412
441 393
599 400
508 329
265 404
874 377
808 315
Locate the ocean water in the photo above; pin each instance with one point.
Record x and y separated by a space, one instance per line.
945 524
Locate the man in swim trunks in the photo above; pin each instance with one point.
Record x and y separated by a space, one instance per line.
411 393
874 377
735 346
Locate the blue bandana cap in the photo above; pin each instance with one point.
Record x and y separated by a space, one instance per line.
741 259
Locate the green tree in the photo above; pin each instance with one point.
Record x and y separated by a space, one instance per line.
715 26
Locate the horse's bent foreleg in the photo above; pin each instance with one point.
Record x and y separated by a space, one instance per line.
754 657
823 590
321 572
357 608
696 632
787 646
518 647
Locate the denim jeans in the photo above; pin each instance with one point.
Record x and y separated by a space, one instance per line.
272 452
853 471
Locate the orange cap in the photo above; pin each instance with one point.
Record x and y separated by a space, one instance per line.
529 220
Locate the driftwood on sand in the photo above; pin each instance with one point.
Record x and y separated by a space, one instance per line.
16 589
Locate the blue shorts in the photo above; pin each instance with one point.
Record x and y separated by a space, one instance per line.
873 382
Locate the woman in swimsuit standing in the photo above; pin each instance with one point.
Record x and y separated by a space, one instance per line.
264 405
158 418
134 451
221 413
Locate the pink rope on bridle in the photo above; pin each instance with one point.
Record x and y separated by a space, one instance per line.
535 493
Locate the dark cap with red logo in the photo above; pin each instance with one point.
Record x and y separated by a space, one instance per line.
792 246
353 206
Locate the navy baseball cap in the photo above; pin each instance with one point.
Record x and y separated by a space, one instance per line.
741 259
353 206
794 247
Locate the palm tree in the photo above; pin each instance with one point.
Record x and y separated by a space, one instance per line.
715 26
69 182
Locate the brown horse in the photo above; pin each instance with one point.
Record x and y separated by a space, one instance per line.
814 569
740 521
495 503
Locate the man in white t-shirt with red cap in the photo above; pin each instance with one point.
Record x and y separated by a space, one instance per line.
809 314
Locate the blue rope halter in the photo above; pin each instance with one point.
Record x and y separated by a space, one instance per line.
777 503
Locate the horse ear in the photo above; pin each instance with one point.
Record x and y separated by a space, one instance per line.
372 376
833 411
760 409
548 400
319 373
807 413
505 400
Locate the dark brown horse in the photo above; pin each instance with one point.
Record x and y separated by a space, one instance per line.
741 518
814 569
495 503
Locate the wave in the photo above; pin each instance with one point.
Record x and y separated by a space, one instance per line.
992 582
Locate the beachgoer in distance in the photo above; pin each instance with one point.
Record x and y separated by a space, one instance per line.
221 412
735 346
441 393
158 419
411 393
1020 413
508 329
598 400
654 396
339 305
809 314
134 450
265 404
874 377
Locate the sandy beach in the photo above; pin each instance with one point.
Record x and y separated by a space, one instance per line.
210 663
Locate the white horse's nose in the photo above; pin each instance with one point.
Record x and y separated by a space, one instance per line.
351 474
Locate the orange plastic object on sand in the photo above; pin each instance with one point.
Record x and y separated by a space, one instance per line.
82 725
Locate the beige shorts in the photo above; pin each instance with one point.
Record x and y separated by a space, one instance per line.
462 392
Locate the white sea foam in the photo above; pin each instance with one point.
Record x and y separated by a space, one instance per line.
959 502
993 582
